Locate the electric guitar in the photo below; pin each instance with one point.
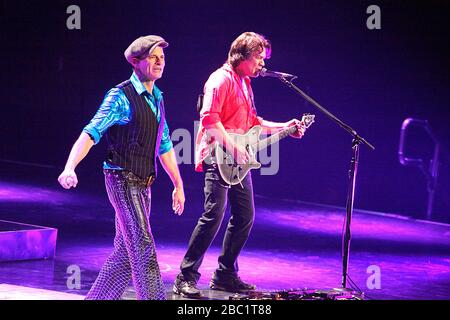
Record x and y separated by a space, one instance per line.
232 172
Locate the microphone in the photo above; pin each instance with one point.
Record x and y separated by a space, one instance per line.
266 73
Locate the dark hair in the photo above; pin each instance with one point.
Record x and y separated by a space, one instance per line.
245 45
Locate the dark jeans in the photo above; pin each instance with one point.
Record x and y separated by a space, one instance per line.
217 192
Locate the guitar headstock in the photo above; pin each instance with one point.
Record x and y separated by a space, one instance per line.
307 119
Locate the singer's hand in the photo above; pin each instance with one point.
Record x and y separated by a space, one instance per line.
178 200
68 179
300 128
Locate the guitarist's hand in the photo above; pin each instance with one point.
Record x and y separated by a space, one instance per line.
300 128
240 154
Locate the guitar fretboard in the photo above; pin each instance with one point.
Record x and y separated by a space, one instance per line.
274 138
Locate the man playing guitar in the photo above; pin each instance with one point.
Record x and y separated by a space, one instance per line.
228 108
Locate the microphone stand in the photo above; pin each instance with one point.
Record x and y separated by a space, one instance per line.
356 141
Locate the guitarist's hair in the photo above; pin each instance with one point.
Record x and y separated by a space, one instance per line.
245 45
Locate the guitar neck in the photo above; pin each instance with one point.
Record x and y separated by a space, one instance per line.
274 138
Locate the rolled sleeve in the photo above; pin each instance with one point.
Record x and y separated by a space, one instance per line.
215 93
113 110
93 133
258 121
166 144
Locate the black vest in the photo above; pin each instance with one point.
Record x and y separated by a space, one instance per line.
134 146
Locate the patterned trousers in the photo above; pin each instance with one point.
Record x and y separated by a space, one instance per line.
134 255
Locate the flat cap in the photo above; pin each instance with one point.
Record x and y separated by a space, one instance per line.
142 45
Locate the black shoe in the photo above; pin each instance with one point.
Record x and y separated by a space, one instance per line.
232 284
186 288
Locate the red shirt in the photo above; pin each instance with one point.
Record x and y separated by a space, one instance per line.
225 101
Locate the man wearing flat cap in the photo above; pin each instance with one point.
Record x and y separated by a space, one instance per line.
132 117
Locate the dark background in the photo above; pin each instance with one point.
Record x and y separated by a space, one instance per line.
53 80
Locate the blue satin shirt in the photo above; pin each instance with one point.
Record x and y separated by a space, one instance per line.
115 109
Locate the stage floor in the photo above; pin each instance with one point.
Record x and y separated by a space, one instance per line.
293 245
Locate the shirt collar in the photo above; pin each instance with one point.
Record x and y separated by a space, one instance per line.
228 67
140 88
